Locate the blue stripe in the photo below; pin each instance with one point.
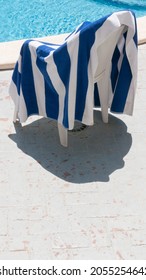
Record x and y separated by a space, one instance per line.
86 40
51 96
114 71
44 50
63 64
16 77
122 87
83 26
135 38
27 81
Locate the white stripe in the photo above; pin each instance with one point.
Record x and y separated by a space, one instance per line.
22 112
19 63
73 48
14 95
39 83
120 47
131 52
132 57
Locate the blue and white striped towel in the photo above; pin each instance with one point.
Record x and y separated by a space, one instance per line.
57 81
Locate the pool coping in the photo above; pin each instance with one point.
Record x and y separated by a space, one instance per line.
9 51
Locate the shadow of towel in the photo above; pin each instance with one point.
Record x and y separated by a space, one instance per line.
92 154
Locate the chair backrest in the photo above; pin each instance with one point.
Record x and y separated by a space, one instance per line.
105 51
103 72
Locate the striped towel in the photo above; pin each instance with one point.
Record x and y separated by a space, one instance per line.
57 81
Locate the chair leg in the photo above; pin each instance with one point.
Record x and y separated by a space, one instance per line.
15 116
63 135
103 95
104 112
103 87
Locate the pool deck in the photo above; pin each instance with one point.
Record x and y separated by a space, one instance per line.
87 201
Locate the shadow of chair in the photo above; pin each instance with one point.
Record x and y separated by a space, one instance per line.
92 156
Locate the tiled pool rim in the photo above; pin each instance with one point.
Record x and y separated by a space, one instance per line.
9 51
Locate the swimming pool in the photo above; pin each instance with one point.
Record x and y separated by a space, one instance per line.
36 18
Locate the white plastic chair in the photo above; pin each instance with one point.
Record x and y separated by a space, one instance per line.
59 69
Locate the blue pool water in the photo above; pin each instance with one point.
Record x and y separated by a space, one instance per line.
36 18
